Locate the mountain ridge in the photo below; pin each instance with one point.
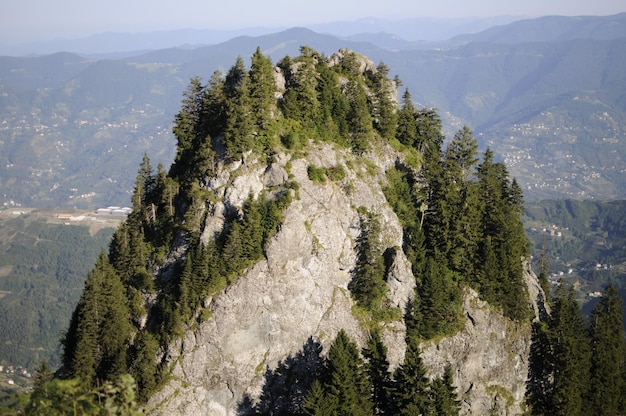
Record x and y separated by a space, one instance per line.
493 87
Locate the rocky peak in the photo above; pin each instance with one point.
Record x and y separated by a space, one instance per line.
299 293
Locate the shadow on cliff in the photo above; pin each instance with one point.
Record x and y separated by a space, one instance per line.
287 385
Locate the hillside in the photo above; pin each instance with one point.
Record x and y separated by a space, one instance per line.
75 128
44 263
582 242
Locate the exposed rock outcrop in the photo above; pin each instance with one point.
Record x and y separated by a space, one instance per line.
300 291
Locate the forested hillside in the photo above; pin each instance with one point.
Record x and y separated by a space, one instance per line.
42 272
247 159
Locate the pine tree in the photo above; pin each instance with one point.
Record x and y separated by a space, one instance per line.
300 101
406 130
439 301
606 331
368 286
239 128
262 89
571 355
186 129
347 383
540 370
143 367
445 398
429 138
411 388
42 375
461 154
318 403
384 113
378 372
504 241
96 341
359 118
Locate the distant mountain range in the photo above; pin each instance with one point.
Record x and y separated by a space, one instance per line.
548 95
410 32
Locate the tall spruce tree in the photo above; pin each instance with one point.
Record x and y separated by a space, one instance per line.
262 99
406 130
571 355
438 297
608 358
368 286
239 126
540 370
346 382
411 393
377 367
384 113
186 130
444 394
97 339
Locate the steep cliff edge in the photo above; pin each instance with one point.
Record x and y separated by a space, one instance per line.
300 291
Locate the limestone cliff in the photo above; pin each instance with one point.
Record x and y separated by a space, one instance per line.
300 293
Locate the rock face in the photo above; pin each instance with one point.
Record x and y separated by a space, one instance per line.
300 293
489 358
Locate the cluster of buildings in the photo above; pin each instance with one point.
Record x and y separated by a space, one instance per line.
19 371
114 211
100 212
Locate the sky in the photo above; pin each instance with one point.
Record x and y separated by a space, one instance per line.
40 20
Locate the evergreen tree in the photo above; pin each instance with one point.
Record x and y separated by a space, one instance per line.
461 154
318 403
262 100
439 301
504 242
359 118
143 367
606 331
429 138
378 372
186 129
42 375
406 131
445 398
301 101
384 113
571 355
368 286
334 106
239 128
540 370
96 341
347 383
411 388
213 118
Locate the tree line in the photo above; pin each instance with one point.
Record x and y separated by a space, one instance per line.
578 367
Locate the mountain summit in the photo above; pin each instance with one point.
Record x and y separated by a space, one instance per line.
313 242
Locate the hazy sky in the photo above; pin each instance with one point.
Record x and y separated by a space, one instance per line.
25 20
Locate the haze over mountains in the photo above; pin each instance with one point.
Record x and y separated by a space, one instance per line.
408 31
547 95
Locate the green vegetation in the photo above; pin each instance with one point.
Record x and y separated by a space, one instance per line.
578 236
462 225
70 397
578 369
348 385
44 265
